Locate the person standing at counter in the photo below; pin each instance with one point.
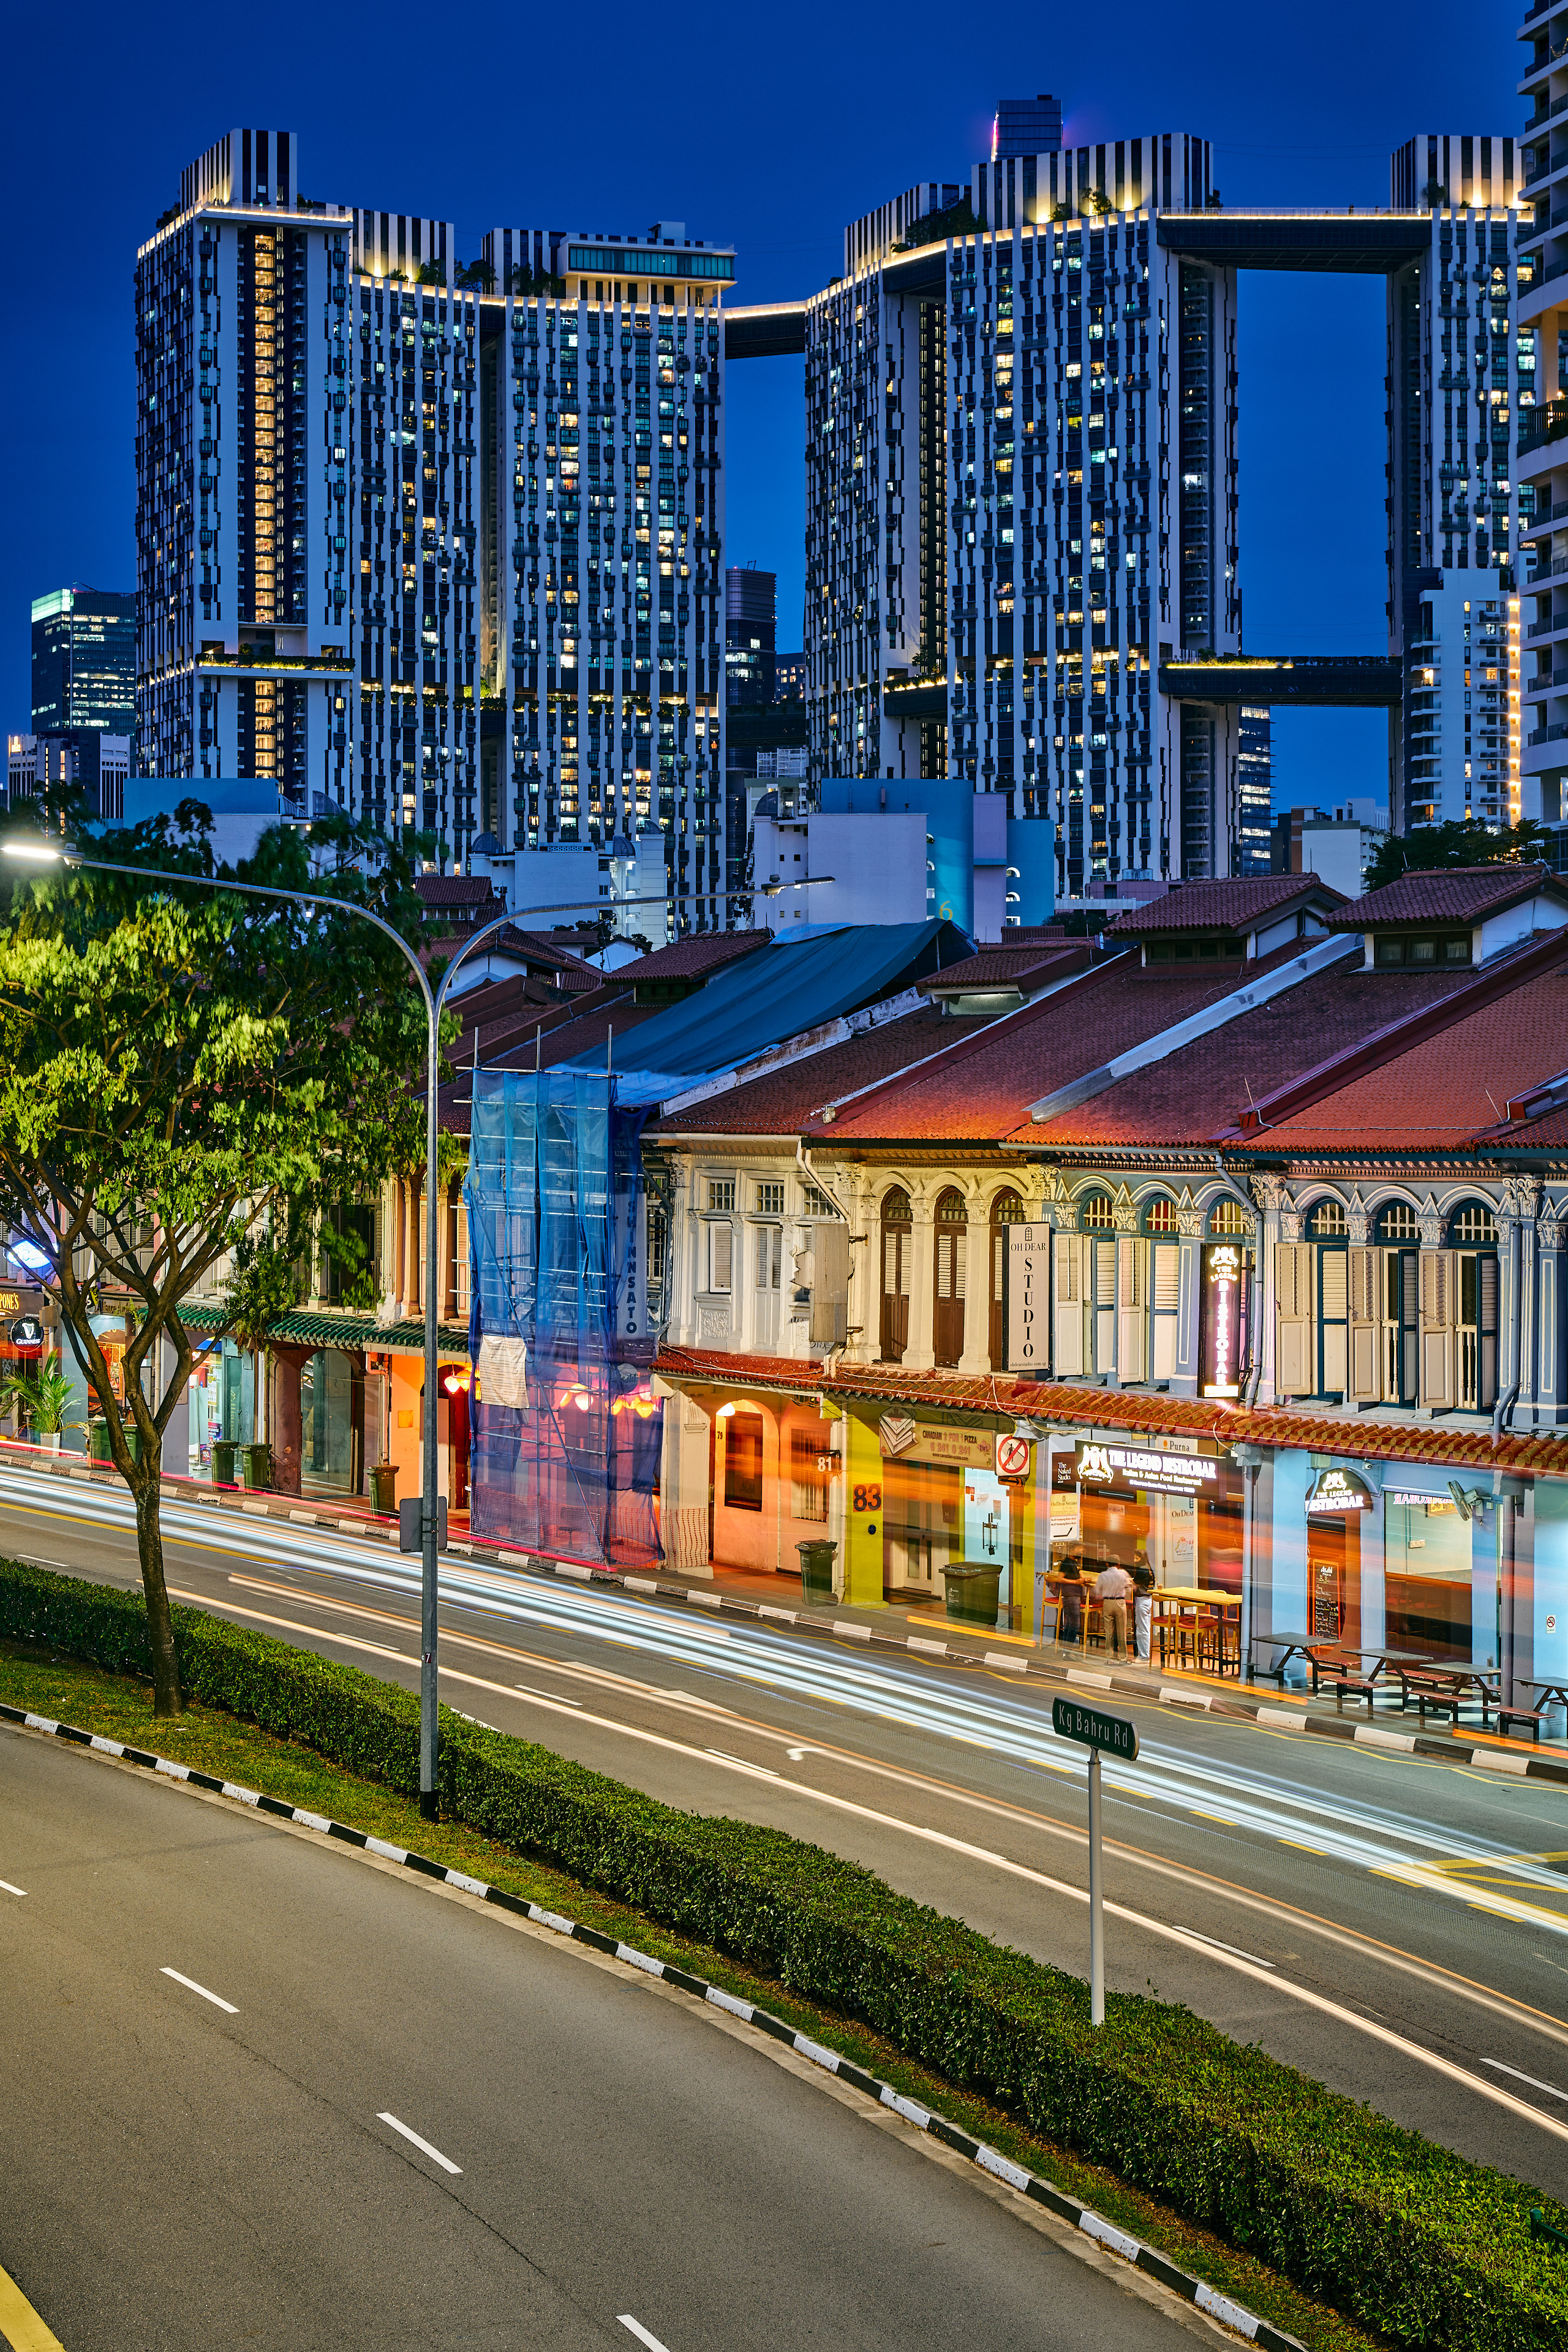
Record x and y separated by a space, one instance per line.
1113 1588
1143 1604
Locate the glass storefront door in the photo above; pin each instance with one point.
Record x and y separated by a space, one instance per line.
1430 1582
327 1420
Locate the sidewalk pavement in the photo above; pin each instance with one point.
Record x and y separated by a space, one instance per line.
920 1632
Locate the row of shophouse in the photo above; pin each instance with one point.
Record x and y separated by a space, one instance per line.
1245 1227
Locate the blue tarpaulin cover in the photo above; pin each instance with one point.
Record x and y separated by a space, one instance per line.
785 988
569 1462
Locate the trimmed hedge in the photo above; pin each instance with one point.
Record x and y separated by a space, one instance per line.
1410 2239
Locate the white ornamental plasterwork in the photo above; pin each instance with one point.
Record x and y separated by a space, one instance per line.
1429 1223
1269 1192
1520 1198
1549 1228
1125 1211
1358 1218
714 1324
1063 1215
1189 1219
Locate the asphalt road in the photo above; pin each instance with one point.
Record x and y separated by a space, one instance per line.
259 2092
1396 1928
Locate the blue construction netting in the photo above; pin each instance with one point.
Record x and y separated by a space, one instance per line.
566 1434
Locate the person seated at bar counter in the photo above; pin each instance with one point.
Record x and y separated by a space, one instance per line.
1113 1588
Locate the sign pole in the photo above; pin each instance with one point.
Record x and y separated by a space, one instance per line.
1089 1728
1096 1902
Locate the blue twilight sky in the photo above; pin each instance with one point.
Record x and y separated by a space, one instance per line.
769 133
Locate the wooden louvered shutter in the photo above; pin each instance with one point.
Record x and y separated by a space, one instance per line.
1333 1298
1068 1306
1485 1332
1132 1310
1295 1371
1364 1383
1167 1299
1436 1332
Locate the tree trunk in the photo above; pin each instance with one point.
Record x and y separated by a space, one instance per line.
167 1697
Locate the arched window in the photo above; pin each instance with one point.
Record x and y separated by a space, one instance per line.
1329 1222
1473 1226
1160 1216
1006 1208
952 1275
1397 1223
1099 1217
1229 1218
897 1242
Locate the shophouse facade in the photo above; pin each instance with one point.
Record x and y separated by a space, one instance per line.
1317 1366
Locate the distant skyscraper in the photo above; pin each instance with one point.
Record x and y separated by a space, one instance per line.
1026 126
789 678
84 660
751 607
1254 790
439 546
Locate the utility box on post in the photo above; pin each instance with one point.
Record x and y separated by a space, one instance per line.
411 1526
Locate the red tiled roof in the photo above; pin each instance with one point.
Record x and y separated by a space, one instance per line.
1447 1088
1356 1437
687 959
780 1101
1450 894
1233 906
997 965
982 1086
456 890
1200 1091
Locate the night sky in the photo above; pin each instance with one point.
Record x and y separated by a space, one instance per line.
767 130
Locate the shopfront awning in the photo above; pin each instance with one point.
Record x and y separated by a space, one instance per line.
1150 1412
324 1327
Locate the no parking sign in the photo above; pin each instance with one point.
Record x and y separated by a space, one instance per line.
1012 1455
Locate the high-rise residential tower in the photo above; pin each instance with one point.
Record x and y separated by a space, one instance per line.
1544 442
84 660
438 545
750 621
1023 537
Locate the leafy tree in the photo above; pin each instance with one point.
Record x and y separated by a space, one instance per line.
1464 840
431 273
184 1076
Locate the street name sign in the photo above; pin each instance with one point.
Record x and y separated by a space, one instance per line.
1091 1728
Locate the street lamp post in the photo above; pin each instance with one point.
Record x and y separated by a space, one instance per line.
40 854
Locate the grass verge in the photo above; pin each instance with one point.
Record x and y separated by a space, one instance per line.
120 1707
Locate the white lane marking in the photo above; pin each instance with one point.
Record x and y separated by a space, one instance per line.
423 2146
637 2328
9 1889
1534 2081
765 1770
1220 1946
529 1692
192 1986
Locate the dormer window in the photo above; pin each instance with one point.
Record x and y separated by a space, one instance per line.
1435 950
1215 951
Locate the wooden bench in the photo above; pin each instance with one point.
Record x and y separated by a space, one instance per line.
1443 1697
1534 1715
1364 1685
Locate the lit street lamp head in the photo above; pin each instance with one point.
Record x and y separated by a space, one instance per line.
34 853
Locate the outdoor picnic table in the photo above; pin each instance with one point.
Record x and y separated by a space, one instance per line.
1326 1657
1446 1687
1209 1613
1546 1693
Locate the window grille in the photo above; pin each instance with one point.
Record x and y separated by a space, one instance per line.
1473 1227
1329 1221
1097 1214
809 1474
1228 1217
1161 1216
1398 1224
770 1199
721 1195
814 1202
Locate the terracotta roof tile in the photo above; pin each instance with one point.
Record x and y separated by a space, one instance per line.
1449 1088
1200 1091
1357 1437
456 890
780 1101
1225 906
686 959
983 1084
999 964
1452 894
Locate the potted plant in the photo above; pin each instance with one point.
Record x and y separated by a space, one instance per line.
46 1398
